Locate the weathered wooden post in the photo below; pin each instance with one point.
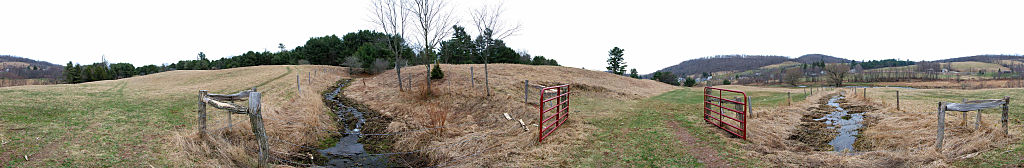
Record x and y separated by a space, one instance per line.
526 91
471 82
977 124
897 100
1005 119
865 93
963 121
256 119
789 99
428 79
739 107
202 113
298 84
942 127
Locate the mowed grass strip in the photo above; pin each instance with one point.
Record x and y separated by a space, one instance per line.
638 135
634 137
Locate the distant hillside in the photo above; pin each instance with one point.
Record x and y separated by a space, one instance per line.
742 63
983 58
18 71
810 58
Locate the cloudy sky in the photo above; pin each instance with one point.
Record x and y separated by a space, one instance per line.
654 34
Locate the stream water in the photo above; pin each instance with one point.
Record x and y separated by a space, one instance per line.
843 122
349 152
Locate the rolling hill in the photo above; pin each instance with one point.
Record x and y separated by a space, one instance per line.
16 71
743 63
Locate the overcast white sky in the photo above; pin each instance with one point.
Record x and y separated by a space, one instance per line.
654 34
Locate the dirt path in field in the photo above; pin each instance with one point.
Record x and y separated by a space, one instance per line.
705 154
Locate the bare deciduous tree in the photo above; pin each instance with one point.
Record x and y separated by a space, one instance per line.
392 17
489 24
489 18
836 73
433 19
793 76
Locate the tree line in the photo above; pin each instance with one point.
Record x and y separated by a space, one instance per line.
364 50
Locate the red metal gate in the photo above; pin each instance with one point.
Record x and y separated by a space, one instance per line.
732 120
560 107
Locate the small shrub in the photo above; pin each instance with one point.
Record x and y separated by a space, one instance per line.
436 73
689 82
726 82
379 65
438 117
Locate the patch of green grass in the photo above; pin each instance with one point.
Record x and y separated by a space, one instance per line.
635 137
110 129
686 105
638 135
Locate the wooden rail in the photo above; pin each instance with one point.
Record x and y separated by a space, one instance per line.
966 106
252 110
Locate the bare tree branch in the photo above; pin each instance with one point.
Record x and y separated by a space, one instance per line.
433 19
489 18
392 17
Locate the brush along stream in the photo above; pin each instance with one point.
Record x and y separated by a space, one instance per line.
353 149
834 125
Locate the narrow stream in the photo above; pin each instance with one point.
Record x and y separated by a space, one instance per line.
845 123
349 152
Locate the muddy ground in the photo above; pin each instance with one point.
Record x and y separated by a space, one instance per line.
815 135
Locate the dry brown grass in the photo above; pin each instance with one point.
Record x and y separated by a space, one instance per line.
478 119
295 117
896 138
967 83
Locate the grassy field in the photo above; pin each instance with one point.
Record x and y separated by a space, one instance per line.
131 122
639 136
149 121
52 126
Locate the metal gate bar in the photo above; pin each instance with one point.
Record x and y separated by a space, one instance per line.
711 101
560 107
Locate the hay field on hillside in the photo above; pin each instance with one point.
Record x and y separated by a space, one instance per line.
150 120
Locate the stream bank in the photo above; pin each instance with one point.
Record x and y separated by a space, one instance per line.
834 125
352 148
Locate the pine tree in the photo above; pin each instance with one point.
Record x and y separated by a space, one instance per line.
615 62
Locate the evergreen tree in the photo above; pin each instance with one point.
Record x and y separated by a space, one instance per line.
70 73
615 62
633 74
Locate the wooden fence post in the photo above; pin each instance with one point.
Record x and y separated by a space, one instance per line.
865 93
298 84
471 82
942 127
963 120
202 113
526 91
977 124
789 99
1005 119
256 119
897 100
